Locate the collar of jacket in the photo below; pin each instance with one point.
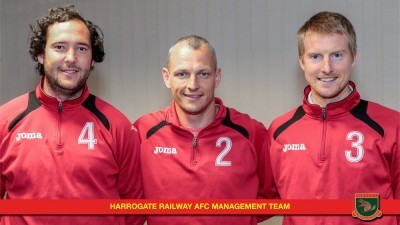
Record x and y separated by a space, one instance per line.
332 109
53 104
171 116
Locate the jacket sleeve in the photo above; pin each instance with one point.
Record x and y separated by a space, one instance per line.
2 183
2 188
395 168
2 178
129 181
267 188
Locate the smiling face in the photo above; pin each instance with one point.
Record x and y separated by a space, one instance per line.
327 63
67 59
192 78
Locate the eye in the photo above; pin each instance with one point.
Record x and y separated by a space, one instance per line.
316 57
82 49
336 56
203 75
182 75
59 47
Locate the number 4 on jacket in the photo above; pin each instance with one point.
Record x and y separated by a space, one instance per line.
90 140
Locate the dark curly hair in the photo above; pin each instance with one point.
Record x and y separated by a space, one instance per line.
63 14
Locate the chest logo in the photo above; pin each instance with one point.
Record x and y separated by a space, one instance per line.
294 147
165 150
21 136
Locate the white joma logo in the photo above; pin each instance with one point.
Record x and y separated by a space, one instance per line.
294 147
28 136
165 150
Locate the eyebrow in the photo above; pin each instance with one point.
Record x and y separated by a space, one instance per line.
319 53
65 42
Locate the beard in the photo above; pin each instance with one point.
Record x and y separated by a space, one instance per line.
68 89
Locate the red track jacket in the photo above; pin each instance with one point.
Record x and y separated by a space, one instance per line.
226 160
351 146
78 149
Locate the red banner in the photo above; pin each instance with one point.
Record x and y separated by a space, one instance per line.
188 207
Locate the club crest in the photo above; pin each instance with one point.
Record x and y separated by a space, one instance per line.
367 206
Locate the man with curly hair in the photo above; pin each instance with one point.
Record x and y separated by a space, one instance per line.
61 142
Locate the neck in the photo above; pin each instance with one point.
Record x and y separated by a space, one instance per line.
61 94
323 102
197 121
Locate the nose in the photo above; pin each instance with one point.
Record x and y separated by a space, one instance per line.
327 67
193 82
71 56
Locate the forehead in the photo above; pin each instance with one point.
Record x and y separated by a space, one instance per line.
335 41
68 31
184 54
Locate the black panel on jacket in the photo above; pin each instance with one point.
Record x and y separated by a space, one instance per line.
156 128
228 122
360 112
33 103
297 116
89 103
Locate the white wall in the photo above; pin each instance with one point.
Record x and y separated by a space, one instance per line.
254 40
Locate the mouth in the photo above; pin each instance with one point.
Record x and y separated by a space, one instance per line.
69 71
193 96
327 79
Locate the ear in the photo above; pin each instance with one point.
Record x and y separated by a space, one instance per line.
354 59
301 61
92 65
166 77
217 77
40 58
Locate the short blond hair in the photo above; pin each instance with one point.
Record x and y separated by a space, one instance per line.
194 42
326 23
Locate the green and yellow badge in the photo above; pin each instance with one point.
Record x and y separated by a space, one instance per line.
367 206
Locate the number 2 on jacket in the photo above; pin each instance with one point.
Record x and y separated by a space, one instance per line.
228 145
